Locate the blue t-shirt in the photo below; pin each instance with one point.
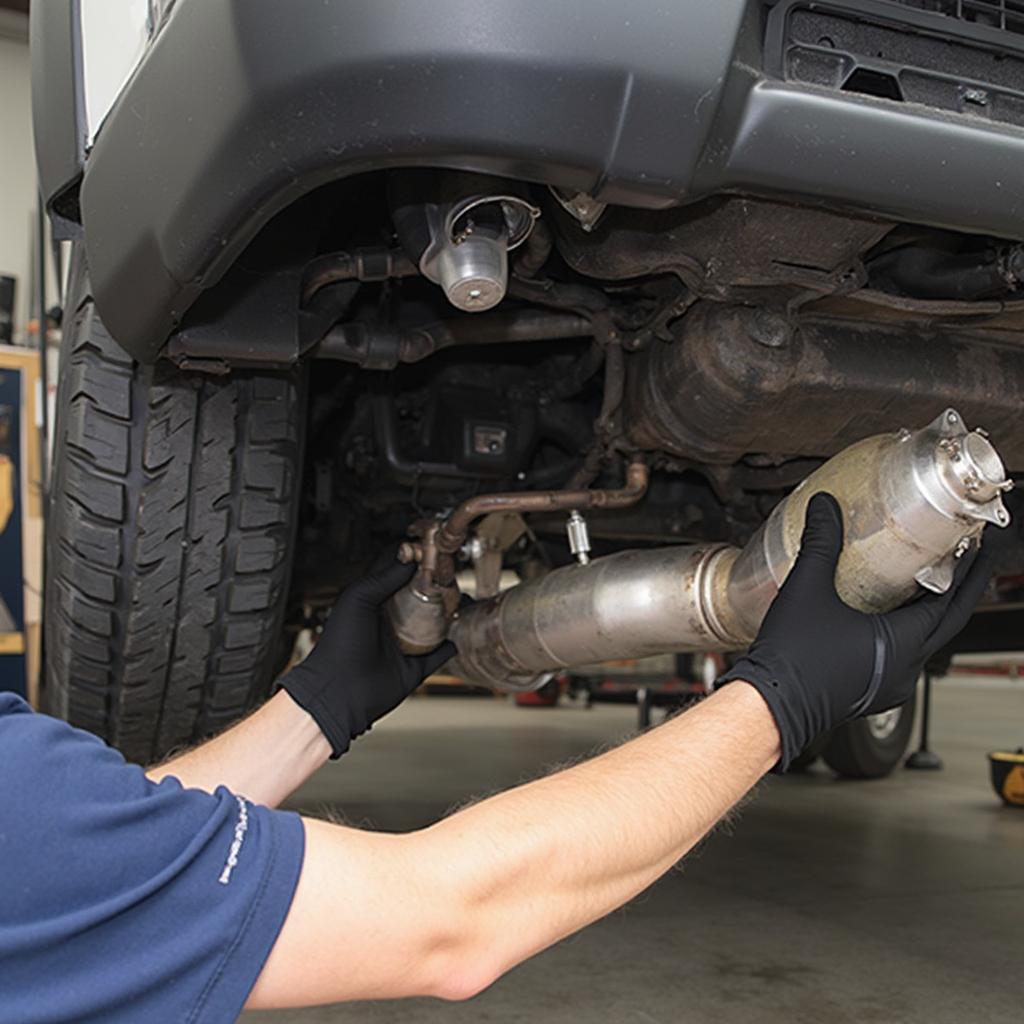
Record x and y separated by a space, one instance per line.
123 900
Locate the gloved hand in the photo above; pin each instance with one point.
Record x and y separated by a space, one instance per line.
356 673
819 663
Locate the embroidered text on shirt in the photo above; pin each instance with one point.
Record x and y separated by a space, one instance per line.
241 827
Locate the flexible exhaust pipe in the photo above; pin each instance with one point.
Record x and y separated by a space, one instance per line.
912 503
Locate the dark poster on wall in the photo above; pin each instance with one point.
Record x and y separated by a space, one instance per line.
7 290
12 593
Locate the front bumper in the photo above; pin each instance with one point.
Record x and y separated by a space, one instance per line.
240 107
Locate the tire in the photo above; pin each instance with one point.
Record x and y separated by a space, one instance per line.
171 532
869 748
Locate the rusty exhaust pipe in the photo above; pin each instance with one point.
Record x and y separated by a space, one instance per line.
422 611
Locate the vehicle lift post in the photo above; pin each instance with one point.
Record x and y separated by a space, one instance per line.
925 759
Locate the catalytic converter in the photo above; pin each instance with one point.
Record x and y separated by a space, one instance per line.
912 503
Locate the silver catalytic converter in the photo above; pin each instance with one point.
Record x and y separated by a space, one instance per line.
912 504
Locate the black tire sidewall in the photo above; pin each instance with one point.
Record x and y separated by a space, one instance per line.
854 752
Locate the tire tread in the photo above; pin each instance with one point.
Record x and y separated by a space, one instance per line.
171 533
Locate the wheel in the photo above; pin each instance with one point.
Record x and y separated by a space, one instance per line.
871 747
172 515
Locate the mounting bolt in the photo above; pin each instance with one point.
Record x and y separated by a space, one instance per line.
410 552
768 328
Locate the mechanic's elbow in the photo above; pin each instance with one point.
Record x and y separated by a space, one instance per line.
462 984
461 971
468 947
460 965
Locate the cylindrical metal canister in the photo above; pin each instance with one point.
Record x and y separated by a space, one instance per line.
911 503
630 604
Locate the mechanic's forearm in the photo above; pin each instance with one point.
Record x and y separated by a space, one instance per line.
265 757
446 910
540 862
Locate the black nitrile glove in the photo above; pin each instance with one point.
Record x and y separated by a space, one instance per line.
819 663
356 673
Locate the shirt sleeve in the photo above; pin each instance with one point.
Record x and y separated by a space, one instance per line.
127 900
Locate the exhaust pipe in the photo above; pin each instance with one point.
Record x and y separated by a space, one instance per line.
912 503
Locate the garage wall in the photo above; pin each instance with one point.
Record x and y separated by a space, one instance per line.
17 165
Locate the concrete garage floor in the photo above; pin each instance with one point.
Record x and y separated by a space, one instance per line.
894 902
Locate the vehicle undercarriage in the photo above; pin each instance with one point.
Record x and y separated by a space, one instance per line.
410 265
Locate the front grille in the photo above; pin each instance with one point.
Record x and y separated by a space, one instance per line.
1007 15
963 57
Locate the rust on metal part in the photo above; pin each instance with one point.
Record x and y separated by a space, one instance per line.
438 542
456 527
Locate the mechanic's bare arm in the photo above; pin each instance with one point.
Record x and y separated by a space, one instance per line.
446 910
264 757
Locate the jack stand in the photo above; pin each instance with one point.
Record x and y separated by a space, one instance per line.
644 705
923 759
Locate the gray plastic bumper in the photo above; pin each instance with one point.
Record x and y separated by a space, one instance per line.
240 107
